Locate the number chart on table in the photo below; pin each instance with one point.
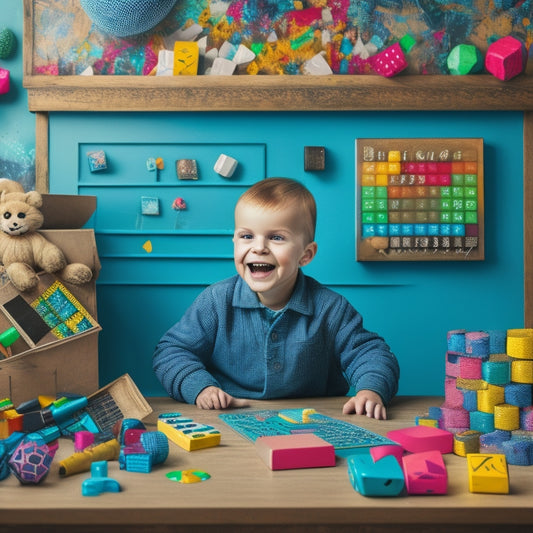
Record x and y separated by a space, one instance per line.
419 199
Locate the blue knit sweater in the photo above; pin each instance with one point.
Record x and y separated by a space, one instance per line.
316 346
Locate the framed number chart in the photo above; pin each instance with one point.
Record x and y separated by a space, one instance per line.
419 200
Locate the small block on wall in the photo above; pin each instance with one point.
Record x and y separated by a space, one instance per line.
97 161
314 158
149 205
186 169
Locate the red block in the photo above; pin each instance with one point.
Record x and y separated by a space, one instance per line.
389 62
506 58
305 17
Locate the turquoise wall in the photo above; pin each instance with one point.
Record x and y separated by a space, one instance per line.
413 305
141 294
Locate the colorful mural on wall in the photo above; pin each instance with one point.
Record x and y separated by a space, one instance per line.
282 34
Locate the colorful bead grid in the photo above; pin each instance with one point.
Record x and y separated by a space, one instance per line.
419 200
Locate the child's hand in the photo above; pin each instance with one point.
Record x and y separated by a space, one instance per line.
215 398
366 402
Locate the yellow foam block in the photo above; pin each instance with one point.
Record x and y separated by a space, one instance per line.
186 55
488 473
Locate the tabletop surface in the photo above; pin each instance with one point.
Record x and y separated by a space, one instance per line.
243 490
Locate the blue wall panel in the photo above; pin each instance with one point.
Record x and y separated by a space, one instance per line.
412 304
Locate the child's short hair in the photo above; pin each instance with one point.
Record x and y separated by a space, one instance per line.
278 193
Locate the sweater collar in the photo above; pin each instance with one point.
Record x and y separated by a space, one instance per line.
299 301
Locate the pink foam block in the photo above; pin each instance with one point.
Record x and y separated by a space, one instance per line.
418 439
4 80
378 452
425 473
506 58
305 450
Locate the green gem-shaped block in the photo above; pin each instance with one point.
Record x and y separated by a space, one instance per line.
464 59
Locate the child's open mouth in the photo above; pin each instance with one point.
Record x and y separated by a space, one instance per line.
260 267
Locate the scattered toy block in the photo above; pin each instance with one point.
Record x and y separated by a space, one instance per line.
506 58
389 62
299 450
187 169
225 165
99 482
186 56
383 477
314 158
425 473
222 67
423 438
97 160
149 205
186 433
488 473
464 59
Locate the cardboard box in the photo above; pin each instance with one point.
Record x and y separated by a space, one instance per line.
41 363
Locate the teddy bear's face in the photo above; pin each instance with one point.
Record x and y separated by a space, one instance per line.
18 217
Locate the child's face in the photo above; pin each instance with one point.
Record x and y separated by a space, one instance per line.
269 248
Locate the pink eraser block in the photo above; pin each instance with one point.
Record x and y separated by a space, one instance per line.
425 473
378 452
506 58
304 450
423 438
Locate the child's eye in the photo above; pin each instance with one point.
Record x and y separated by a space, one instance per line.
247 236
277 238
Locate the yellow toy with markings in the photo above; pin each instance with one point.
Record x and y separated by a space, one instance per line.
488 472
186 433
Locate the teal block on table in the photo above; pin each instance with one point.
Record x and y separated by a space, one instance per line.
445 230
433 230
381 478
421 229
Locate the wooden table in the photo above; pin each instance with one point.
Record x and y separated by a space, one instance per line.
243 495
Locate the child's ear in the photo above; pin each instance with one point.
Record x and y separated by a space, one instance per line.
309 253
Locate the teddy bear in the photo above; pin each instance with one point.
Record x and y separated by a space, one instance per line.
24 251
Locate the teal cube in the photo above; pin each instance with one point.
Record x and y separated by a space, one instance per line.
381 478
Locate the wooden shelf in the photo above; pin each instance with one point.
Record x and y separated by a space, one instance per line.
278 93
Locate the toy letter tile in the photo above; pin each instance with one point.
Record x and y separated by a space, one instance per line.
186 54
389 62
186 169
97 160
4 81
149 205
425 473
488 473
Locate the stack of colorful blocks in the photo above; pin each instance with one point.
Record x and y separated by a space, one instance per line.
488 393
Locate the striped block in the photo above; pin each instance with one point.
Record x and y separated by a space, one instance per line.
506 417
518 394
520 343
482 422
466 442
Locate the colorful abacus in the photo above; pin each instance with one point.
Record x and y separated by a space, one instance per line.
420 199
488 393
